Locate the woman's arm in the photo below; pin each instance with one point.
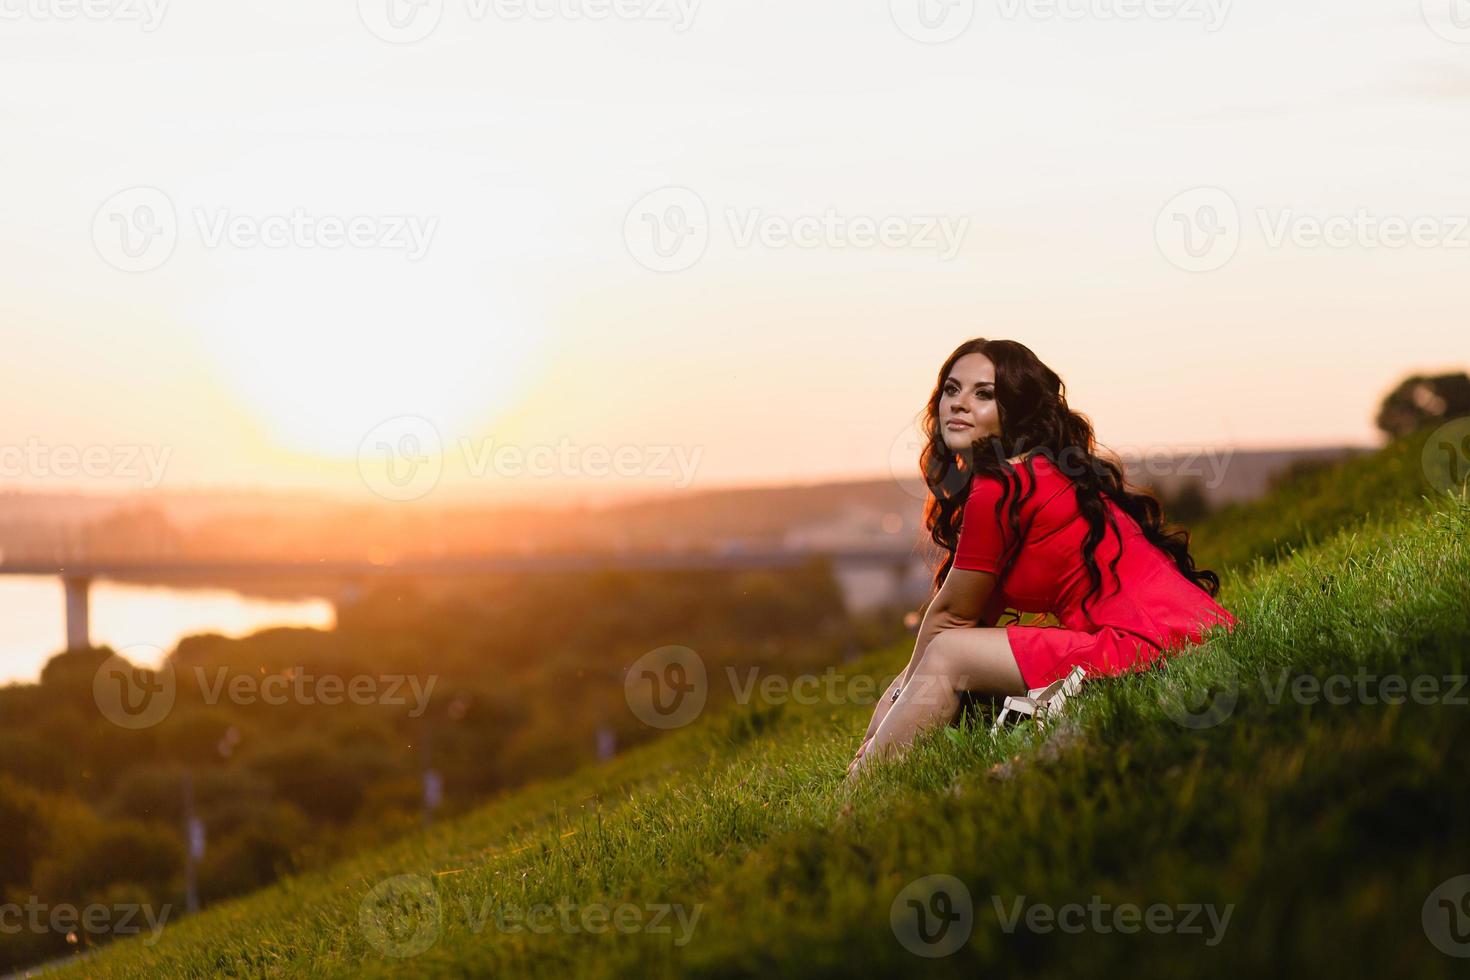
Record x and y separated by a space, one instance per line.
966 599
963 601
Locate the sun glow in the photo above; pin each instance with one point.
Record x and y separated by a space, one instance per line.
321 359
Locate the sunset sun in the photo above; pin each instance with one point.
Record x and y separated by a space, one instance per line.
321 363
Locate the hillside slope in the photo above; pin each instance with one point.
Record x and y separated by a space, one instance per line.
1248 820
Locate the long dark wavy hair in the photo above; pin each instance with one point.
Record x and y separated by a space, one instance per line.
1034 419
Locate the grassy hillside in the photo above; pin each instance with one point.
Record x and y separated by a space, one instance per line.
1321 500
1306 836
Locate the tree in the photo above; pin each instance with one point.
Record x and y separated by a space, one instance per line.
1424 400
78 868
1188 505
24 822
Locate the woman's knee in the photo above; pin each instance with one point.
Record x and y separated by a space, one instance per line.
969 660
943 655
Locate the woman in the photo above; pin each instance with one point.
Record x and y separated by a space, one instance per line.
1044 525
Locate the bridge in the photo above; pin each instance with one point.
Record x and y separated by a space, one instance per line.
868 577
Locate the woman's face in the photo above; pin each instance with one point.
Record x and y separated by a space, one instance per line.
967 408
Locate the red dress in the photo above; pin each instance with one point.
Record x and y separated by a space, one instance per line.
1154 611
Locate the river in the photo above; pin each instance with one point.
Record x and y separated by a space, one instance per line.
33 618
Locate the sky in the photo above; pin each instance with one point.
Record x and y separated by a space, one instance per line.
543 249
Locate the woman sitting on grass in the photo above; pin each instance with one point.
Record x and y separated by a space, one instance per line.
1032 519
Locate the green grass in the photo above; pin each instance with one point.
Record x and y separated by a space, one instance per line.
1319 503
1323 827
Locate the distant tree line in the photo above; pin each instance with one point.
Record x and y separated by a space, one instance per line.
528 683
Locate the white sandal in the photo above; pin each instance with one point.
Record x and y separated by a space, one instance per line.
1041 703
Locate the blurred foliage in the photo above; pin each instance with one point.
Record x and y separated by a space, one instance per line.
509 681
1188 505
1424 400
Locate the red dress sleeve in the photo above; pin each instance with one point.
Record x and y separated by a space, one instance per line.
983 538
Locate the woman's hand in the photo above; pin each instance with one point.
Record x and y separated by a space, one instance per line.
880 711
857 760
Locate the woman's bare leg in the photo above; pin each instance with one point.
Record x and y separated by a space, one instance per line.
956 660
